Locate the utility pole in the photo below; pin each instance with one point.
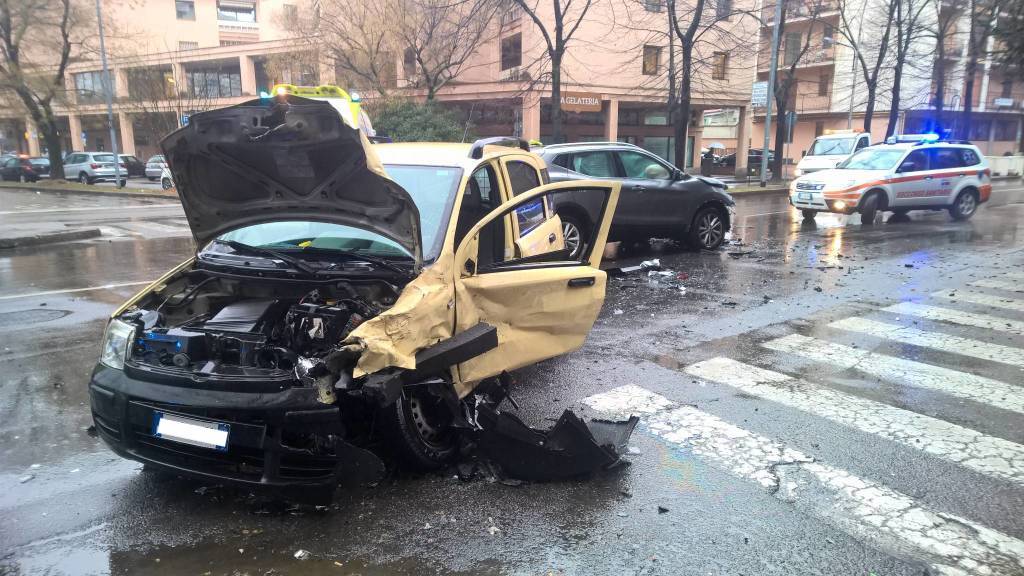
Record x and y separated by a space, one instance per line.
108 92
771 90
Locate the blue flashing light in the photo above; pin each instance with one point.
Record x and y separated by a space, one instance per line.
264 94
930 137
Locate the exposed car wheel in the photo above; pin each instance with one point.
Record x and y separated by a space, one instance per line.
574 232
869 209
419 427
965 205
84 178
166 183
708 228
809 214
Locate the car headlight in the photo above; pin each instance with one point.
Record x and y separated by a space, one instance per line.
116 340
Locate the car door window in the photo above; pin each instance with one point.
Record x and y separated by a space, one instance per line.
944 159
916 161
968 157
637 165
480 197
11 163
521 176
599 164
861 143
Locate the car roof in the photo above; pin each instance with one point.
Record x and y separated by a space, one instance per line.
586 146
439 153
924 145
836 136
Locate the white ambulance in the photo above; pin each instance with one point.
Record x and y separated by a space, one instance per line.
913 172
831 148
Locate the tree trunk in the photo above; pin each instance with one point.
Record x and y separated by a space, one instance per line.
869 108
971 70
681 120
781 97
46 125
556 98
894 107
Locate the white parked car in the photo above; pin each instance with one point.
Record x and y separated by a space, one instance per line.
166 179
920 174
155 167
828 150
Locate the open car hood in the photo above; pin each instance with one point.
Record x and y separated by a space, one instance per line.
286 158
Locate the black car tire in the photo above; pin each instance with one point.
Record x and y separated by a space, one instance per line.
572 227
166 183
808 214
418 426
707 231
83 178
965 205
869 209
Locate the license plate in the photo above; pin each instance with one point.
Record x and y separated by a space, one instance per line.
803 196
201 433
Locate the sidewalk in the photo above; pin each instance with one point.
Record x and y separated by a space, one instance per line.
34 234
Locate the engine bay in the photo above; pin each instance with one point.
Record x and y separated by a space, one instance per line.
220 326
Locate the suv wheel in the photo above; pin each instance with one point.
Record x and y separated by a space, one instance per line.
808 214
84 178
419 427
708 228
573 231
870 208
965 205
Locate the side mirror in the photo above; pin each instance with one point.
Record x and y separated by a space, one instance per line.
677 174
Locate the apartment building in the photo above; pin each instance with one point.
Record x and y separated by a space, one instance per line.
171 58
830 92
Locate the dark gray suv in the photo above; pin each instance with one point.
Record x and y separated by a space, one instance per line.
657 200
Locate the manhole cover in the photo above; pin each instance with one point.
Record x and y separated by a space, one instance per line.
35 316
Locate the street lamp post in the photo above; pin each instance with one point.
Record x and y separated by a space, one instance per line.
108 92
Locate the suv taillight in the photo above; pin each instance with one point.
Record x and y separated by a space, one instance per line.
94 166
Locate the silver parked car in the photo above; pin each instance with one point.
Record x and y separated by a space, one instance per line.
92 167
155 167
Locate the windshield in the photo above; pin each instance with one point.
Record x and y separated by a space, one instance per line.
873 159
831 146
432 188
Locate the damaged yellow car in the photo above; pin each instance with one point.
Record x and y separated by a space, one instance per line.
345 298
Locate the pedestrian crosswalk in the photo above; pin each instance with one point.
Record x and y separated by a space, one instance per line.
865 507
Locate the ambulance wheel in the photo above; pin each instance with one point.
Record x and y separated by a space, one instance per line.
809 214
965 205
869 209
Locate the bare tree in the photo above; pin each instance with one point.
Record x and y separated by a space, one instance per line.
567 16
910 25
36 44
944 31
870 52
1009 34
157 100
981 20
441 36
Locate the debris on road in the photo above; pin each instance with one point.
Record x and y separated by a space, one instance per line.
662 509
302 554
25 478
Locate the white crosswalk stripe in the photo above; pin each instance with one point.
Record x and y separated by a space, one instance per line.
957 317
1000 284
863 509
935 340
1017 275
902 371
982 299
988 455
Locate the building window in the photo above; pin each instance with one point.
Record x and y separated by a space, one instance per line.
827 36
792 47
184 45
823 83
236 11
654 5
291 13
719 66
185 9
89 87
652 60
723 9
1007 89
232 42
656 118
409 63
214 83
980 130
511 51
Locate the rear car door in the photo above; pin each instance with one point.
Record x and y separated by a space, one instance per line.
943 177
543 304
909 184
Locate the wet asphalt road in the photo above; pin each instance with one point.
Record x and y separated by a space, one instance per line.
69 506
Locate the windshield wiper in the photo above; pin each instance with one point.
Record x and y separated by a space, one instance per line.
356 256
293 261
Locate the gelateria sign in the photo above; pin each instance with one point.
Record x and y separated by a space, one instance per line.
581 102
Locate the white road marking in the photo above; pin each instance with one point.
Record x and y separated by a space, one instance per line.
957 317
73 290
1000 284
1016 275
935 340
988 455
628 400
907 372
982 299
865 510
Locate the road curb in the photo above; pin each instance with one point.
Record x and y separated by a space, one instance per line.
98 192
759 191
49 238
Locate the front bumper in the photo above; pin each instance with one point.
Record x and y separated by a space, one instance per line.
816 200
283 438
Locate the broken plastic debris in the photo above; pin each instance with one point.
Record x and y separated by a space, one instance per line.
302 554
618 312
25 478
653 264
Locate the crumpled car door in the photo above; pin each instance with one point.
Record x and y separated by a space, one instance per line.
544 304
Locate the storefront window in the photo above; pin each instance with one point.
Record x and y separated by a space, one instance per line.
661 146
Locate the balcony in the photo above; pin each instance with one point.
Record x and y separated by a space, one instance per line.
814 57
511 15
797 10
